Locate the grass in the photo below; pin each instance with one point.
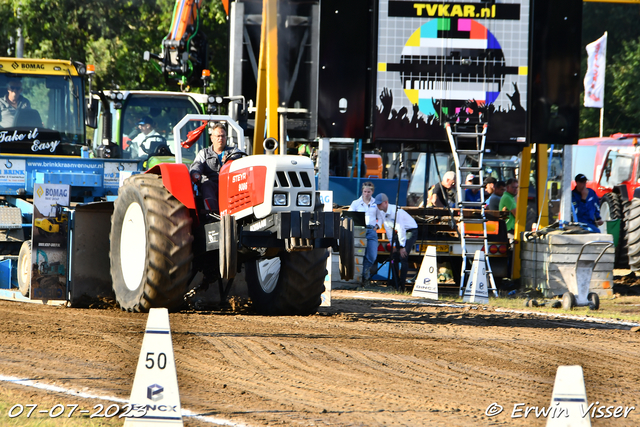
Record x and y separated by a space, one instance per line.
624 308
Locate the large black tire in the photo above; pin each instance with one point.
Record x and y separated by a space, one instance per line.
151 246
24 268
611 208
292 285
347 250
622 251
632 228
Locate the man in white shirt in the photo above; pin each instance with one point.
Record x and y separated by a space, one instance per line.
373 220
406 230
146 142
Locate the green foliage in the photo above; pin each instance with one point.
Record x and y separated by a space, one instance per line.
621 100
111 34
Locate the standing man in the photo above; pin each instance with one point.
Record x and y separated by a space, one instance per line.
508 203
12 102
373 221
205 168
406 230
493 203
586 205
442 194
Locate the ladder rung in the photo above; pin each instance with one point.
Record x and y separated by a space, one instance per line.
469 152
472 186
470 169
467 134
473 221
486 271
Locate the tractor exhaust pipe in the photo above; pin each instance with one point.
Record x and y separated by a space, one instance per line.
270 145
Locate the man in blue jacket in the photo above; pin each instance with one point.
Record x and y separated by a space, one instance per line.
586 205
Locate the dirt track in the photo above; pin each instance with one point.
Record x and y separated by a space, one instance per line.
360 362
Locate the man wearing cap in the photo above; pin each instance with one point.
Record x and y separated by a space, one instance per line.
406 231
12 102
472 194
585 205
146 142
489 187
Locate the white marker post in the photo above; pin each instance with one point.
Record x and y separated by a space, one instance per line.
569 399
327 200
426 284
476 289
155 386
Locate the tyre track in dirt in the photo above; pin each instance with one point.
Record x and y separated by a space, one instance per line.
361 363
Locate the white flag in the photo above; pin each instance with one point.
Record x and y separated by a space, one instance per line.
594 79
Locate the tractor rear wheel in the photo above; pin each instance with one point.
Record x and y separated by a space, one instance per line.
24 268
632 228
611 209
289 284
151 246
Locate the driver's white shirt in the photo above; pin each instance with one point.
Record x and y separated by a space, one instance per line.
136 151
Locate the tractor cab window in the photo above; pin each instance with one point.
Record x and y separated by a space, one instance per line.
617 169
41 114
146 126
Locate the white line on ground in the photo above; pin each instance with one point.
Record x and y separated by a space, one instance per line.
87 395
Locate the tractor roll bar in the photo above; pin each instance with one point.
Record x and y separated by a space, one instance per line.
205 117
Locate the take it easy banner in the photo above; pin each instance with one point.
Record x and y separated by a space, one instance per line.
448 61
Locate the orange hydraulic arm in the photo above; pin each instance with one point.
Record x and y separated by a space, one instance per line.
185 13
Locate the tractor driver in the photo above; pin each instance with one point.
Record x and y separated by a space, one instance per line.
206 167
12 102
147 141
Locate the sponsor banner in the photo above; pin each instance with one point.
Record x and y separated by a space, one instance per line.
49 242
12 172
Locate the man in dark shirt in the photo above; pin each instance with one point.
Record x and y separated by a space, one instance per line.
442 194
206 167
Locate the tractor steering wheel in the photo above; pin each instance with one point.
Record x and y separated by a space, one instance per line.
161 148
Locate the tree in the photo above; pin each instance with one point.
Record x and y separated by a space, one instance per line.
623 72
112 35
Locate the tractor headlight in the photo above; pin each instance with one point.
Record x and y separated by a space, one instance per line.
280 199
304 199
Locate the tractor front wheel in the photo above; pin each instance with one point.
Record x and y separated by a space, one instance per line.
24 268
289 284
151 246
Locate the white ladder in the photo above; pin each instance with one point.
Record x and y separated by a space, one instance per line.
469 140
